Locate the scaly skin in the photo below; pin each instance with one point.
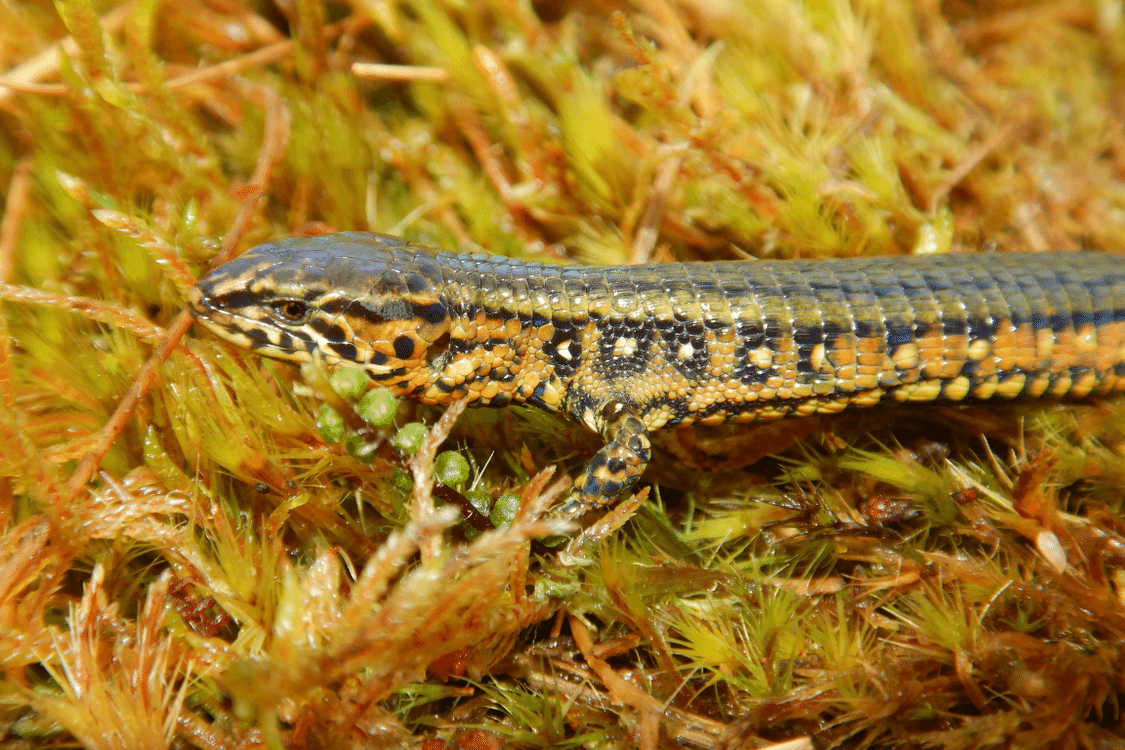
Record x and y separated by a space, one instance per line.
629 349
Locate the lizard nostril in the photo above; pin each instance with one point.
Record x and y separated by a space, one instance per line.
195 300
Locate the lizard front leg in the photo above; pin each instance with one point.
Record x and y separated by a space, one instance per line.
616 467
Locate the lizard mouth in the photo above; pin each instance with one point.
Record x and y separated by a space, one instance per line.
254 333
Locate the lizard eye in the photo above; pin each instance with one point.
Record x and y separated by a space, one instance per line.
291 310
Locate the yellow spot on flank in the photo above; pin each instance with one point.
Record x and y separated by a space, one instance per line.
762 357
816 358
624 347
987 387
842 356
769 413
956 389
1013 386
866 380
1061 386
1109 351
1086 339
551 394
824 386
1044 343
867 398
1038 385
889 378
686 351
831 406
926 390
1084 384
905 357
979 349
806 408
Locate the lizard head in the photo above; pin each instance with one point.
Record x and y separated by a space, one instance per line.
362 299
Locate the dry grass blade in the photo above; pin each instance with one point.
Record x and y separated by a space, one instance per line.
117 695
273 145
93 309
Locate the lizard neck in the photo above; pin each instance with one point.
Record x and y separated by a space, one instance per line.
494 354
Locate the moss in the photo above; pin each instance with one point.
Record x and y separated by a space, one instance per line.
230 576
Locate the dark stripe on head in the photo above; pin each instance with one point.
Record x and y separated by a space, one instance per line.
399 282
381 312
415 282
236 300
327 329
258 336
345 350
334 306
398 372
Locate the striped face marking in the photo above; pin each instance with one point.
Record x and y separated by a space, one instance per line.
296 305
